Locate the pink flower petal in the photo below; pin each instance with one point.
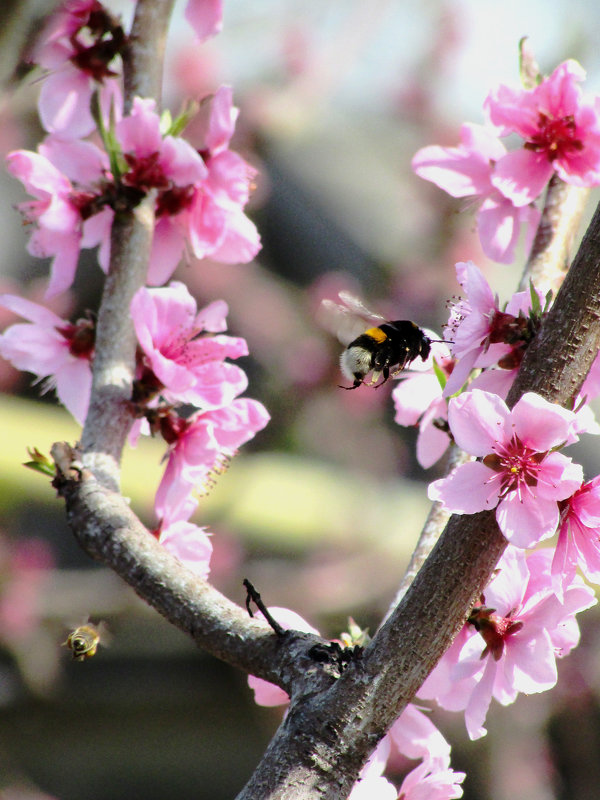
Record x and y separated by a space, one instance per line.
527 521
466 490
539 424
522 175
477 420
205 17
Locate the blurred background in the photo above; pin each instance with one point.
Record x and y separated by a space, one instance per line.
322 509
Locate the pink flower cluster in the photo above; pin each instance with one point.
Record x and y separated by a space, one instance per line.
413 736
77 186
526 617
181 360
511 640
485 338
560 131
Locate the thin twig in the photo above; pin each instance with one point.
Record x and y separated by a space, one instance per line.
254 597
550 254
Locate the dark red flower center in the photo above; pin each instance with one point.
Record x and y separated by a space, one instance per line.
81 337
557 138
494 629
145 172
174 200
517 465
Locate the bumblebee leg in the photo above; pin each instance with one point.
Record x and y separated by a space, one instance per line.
386 374
355 385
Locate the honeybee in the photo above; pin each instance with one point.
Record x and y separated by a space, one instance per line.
84 640
384 349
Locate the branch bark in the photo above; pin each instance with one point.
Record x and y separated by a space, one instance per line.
110 416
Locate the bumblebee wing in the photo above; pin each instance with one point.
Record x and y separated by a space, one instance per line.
341 322
349 320
356 306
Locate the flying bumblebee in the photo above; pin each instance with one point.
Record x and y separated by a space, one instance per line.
84 640
384 349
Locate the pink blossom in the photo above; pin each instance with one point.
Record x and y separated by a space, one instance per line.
466 171
190 544
561 129
58 222
430 782
78 44
52 349
204 442
418 402
578 542
205 17
54 45
512 639
65 99
415 736
520 474
266 693
64 213
479 330
167 164
210 215
189 365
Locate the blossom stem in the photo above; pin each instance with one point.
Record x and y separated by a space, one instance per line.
560 356
143 59
435 523
551 250
109 416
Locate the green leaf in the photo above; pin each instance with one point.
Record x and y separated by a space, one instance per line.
183 119
529 71
166 121
536 306
439 374
40 463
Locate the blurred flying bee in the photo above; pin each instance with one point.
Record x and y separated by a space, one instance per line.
384 349
84 640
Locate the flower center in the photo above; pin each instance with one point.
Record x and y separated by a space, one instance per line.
81 338
557 138
174 200
145 172
494 628
516 465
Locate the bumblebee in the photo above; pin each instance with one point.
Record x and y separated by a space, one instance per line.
384 350
84 640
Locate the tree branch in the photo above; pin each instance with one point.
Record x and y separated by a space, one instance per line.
551 250
143 59
322 746
109 531
110 415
